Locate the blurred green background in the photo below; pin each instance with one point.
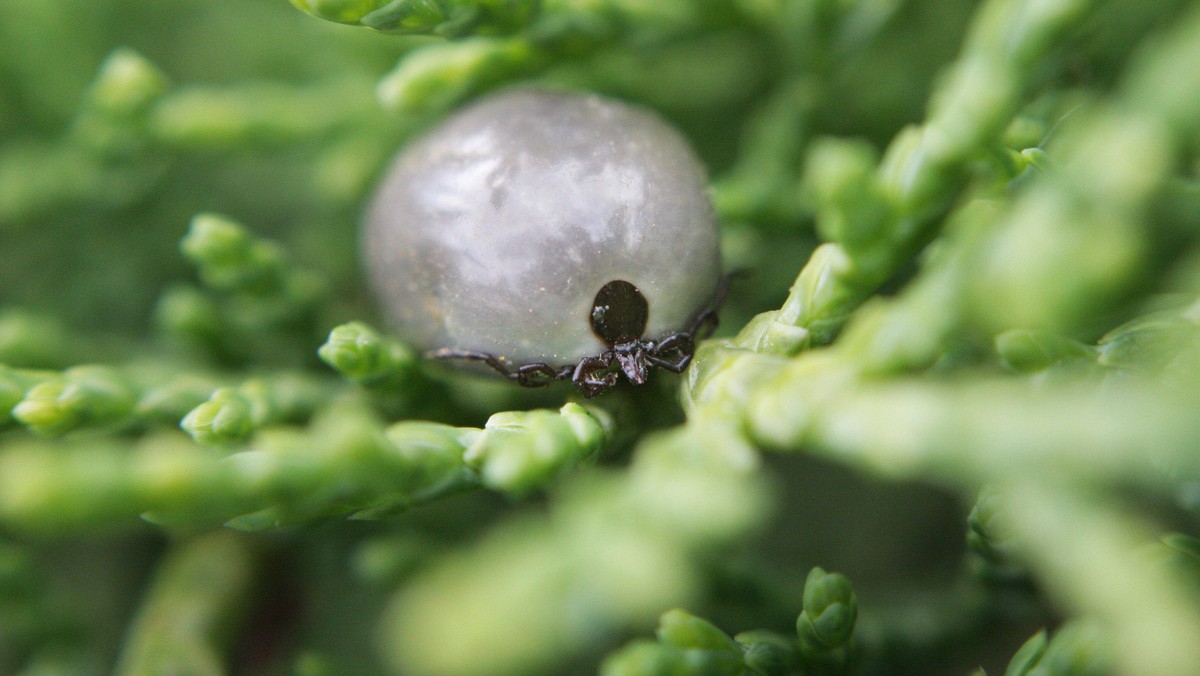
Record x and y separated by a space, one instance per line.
1005 300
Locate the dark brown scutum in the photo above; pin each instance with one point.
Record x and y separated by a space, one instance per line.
619 313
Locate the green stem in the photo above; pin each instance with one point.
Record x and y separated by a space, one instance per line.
192 608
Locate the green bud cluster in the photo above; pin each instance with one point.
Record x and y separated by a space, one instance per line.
83 395
115 114
447 18
826 626
364 356
687 644
233 413
51 403
229 259
1074 649
519 451
255 302
992 559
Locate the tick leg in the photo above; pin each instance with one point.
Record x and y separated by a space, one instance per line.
705 325
706 322
673 353
539 374
587 376
527 375
676 366
682 342
673 358
489 359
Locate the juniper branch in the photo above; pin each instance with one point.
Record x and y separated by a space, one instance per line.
136 395
688 492
877 214
346 463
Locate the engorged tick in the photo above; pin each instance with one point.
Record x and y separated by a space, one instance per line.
550 236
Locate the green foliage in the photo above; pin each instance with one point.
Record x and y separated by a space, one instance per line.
830 609
196 594
363 355
688 644
973 275
1075 650
232 413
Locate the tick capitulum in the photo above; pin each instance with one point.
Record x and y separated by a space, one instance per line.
618 317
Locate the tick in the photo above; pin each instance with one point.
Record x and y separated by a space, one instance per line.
549 236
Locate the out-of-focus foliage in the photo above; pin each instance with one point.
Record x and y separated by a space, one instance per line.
963 369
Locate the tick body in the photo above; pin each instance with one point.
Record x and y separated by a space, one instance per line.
551 236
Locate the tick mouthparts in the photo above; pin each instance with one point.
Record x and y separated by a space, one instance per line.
633 366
